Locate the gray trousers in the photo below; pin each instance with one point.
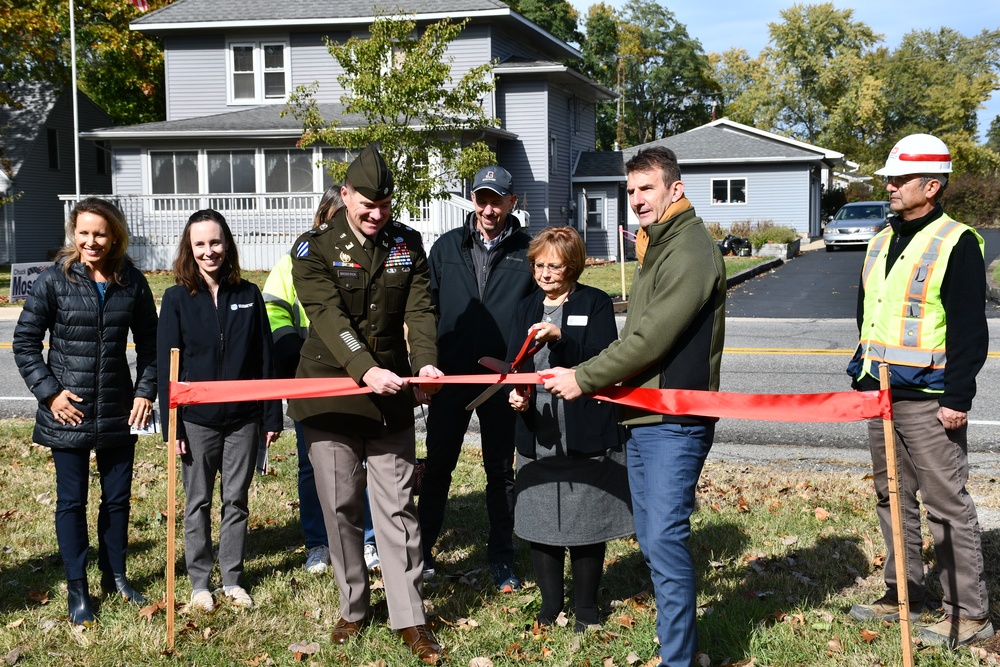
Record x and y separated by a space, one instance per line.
229 451
340 482
934 461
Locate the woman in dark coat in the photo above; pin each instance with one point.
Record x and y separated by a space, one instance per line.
218 322
571 485
88 303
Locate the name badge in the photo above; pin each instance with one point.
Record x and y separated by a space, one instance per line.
576 321
348 273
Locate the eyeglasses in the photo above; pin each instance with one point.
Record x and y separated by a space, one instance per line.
553 268
899 181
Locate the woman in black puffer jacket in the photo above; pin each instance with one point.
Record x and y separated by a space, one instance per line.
88 303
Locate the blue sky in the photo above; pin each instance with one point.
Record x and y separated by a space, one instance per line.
722 24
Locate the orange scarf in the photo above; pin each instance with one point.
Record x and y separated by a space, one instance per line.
642 236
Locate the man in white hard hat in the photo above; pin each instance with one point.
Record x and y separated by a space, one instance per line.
921 309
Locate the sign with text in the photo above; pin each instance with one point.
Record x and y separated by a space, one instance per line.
22 276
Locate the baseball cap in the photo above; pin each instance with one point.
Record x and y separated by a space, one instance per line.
495 178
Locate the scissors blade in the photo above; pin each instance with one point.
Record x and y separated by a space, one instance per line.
497 366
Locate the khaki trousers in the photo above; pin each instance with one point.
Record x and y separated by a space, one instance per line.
340 483
934 461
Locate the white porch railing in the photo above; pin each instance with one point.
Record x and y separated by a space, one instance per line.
263 225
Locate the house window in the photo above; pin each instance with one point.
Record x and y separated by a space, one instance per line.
174 173
103 153
288 170
595 212
231 171
52 136
259 71
729 191
333 155
553 153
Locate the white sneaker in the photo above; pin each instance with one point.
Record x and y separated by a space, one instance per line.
202 601
238 596
371 557
317 560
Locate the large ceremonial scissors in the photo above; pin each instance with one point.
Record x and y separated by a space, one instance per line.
528 350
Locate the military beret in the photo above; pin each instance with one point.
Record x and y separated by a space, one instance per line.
369 174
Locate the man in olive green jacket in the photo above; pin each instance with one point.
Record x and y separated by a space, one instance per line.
672 339
360 278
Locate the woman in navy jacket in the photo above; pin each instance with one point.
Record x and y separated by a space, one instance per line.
88 303
218 322
571 485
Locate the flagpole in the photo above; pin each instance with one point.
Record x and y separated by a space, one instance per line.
76 110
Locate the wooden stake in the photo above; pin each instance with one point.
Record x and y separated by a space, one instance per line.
898 538
621 258
171 499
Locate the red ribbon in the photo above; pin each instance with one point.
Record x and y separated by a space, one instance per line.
830 407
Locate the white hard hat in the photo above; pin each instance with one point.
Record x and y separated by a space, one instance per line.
917 154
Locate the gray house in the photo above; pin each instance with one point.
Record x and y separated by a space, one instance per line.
230 65
39 154
731 172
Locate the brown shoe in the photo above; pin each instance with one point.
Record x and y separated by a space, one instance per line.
344 631
422 644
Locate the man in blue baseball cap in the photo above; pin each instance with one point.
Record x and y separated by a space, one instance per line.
479 273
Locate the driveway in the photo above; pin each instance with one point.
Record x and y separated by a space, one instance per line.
819 285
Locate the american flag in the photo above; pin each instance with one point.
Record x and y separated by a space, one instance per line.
141 5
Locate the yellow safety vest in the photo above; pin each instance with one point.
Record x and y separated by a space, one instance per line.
904 319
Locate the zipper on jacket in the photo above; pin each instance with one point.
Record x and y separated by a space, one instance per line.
222 344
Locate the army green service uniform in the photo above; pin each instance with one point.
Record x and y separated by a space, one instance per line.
357 306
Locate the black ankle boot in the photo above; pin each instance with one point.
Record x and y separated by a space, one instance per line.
113 584
80 611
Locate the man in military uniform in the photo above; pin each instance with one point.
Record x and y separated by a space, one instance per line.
360 278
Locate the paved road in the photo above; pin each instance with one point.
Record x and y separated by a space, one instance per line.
818 284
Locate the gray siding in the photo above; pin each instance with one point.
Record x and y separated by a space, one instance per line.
779 193
38 214
310 61
471 49
128 170
521 105
560 115
602 244
195 72
504 44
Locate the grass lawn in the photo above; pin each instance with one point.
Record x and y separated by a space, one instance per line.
780 555
606 277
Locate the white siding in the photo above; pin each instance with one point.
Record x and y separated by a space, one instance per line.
779 193
195 69
522 107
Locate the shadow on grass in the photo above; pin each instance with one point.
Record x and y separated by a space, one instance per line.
746 590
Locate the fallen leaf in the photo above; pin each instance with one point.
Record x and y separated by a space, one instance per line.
869 635
562 620
302 649
821 514
608 662
833 646
546 651
702 660
626 620
742 504
14 624
789 540
632 658
480 662
13 655
149 611
41 597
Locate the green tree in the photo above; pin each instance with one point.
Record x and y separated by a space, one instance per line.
399 79
600 63
556 16
120 69
747 93
662 75
667 81
993 135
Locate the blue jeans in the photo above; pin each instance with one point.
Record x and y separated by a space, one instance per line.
310 513
662 503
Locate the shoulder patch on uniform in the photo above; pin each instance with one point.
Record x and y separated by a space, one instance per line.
302 250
